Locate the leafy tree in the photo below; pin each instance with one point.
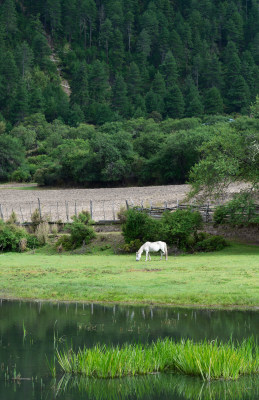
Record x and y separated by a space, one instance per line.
231 155
12 155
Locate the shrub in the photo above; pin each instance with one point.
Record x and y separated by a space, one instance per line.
241 210
206 242
12 219
42 232
36 218
65 242
139 225
131 247
12 236
54 229
81 230
179 226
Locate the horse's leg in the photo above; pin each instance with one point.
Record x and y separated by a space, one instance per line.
146 254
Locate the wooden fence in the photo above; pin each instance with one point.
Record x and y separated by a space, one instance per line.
206 210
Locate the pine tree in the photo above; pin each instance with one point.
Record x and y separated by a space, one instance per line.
20 106
154 102
143 46
119 99
158 85
174 103
105 37
8 17
134 81
36 100
194 106
54 14
117 50
169 70
213 103
99 87
79 87
24 58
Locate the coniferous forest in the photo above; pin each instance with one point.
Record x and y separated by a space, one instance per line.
105 91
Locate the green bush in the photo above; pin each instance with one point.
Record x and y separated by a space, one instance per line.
206 242
139 225
81 230
11 236
131 247
239 211
65 242
179 226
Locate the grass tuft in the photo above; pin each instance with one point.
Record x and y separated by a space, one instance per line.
208 360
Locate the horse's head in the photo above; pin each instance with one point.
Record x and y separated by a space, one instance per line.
138 255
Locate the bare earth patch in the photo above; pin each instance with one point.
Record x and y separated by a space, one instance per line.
58 203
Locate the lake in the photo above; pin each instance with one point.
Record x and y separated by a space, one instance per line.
31 331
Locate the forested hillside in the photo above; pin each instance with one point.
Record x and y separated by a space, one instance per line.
125 60
128 58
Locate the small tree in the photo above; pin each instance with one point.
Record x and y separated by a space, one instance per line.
81 230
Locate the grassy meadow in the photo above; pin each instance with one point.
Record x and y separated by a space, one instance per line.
224 278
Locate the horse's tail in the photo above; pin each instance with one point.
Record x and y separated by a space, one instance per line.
166 252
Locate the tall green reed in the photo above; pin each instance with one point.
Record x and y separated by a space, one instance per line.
209 360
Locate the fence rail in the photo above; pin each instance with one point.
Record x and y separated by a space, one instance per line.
206 210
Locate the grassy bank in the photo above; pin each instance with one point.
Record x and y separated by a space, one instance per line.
225 278
209 360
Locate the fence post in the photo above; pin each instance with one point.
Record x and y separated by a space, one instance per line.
57 212
177 203
165 206
39 207
75 209
103 211
1 213
113 212
21 214
91 209
207 212
127 204
142 205
150 208
67 210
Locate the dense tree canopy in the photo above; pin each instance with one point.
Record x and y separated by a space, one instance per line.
127 59
148 81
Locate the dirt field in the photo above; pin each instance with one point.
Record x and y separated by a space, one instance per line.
58 203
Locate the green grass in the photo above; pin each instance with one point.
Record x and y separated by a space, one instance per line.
208 360
225 278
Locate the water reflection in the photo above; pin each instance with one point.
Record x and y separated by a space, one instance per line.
29 332
158 386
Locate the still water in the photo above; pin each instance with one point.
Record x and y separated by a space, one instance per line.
30 332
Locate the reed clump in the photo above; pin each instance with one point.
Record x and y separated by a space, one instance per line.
209 360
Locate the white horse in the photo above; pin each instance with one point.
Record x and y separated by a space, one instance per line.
152 246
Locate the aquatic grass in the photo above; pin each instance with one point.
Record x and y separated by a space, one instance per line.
208 360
